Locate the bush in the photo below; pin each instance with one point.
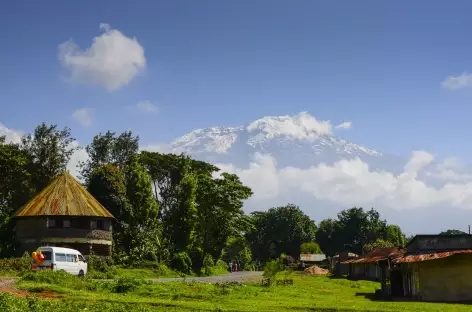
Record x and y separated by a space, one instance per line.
271 269
125 285
208 264
16 265
101 267
182 262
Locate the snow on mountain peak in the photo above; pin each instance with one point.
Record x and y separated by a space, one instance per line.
302 126
301 133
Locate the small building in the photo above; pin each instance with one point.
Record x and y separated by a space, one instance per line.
64 214
337 265
436 268
373 265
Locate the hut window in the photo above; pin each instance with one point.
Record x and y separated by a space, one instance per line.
93 224
66 223
51 223
105 224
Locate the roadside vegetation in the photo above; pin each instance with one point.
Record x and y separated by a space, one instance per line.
308 293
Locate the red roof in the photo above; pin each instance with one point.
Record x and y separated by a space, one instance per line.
431 256
378 254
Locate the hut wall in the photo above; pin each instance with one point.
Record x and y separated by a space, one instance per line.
446 279
33 232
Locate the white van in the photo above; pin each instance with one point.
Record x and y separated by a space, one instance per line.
65 259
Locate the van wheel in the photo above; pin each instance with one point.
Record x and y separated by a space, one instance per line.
81 273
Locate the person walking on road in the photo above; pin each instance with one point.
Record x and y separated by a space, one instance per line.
230 266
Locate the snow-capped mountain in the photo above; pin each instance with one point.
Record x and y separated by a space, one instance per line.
299 140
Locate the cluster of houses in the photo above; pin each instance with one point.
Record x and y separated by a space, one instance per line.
429 268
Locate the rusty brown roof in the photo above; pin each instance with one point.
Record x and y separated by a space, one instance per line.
378 254
64 196
431 256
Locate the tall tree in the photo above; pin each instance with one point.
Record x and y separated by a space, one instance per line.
15 182
107 148
50 150
280 230
355 228
15 191
219 211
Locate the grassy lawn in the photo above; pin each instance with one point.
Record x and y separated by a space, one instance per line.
307 294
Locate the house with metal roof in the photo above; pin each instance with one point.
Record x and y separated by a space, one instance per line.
436 268
374 264
64 214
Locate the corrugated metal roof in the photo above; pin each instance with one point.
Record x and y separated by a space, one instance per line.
377 255
431 256
64 196
350 254
312 257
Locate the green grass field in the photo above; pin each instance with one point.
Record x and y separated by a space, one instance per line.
307 294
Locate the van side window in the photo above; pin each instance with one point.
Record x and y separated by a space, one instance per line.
70 258
81 258
60 257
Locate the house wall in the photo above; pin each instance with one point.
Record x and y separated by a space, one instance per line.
447 279
33 232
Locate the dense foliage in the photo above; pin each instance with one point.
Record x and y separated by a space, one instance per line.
174 210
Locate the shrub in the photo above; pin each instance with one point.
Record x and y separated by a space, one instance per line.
208 264
17 265
125 285
182 262
271 269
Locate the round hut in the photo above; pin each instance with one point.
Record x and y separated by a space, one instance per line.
64 214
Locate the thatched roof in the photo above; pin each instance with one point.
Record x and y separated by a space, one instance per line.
64 196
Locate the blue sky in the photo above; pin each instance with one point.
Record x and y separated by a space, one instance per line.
379 64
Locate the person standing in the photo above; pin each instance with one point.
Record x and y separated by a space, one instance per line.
230 266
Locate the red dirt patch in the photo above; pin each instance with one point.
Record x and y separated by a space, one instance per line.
7 286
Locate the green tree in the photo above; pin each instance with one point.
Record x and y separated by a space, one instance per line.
238 250
310 248
355 228
452 232
379 243
108 148
395 236
50 150
15 182
219 212
280 230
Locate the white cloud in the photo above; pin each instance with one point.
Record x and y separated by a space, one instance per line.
112 60
451 169
146 107
83 116
351 182
455 83
80 155
10 135
344 125
301 126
